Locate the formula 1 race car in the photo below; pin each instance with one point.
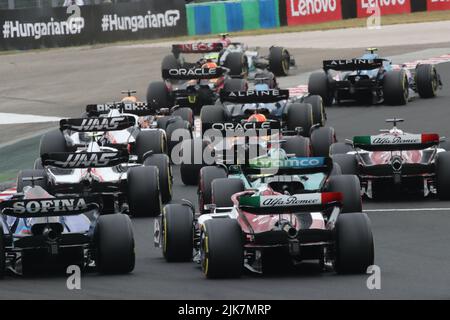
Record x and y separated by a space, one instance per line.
396 161
289 215
373 80
41 232
130 184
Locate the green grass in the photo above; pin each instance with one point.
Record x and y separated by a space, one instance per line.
416 17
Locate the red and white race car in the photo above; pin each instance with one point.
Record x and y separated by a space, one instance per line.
395 161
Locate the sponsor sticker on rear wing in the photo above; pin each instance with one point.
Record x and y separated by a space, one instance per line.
294 165
385 142
80 160
254 96
352 64
200 47
50 207
277 204
193 73
248 128
138 108
97 124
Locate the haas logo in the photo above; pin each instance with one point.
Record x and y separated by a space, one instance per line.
99 124
85 160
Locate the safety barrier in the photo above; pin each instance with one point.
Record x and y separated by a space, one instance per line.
230 16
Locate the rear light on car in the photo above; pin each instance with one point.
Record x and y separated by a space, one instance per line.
328 197
430 138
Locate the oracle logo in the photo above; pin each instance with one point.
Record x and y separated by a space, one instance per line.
312 7
365 4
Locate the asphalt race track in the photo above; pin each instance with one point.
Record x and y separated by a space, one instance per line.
412 242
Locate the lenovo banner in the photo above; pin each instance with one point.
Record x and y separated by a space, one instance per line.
367 8
433 5
312 11
59 27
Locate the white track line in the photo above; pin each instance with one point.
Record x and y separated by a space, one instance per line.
406 209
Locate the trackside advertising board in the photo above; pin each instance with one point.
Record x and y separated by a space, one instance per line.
312 11
433 5
367 8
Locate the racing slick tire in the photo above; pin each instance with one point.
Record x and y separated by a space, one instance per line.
31 174
38 164
234 85
190 171
279 61
427 81
223 189
237 63
340 148
318 84
318 110
321 140
144 197
182 130
53 142
354 243
395 87
212 114
445 145
170 62
115 244
207 176
222 249
162 162
158 95
347 162
300 115
297 145
443 175
177 233
151 140
2 255
186 114
350 188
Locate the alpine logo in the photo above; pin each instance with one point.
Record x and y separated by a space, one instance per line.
49 206
351 61
86 160
99 124
254 93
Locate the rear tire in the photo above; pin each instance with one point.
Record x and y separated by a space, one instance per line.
443 175
318 110
158 96
234 85
222 251
31 174
279 61
321 140
178 233
162 162
347 162
2 254
297 145
38 164
350 188
144 198
223 189
354 243
318 84
395 87
237 63
426 80
152 140
300 115
170 62
186 114
53 142
193 160
340 148
115 244
207 176
183 131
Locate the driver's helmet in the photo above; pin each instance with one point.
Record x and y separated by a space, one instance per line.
225 40
261 86
277 153
209 64
257 117
129 99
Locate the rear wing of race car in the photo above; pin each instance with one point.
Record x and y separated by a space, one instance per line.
193 73
80 160
51 207
138 108
97 124
254 96
352 64
386 142
290 166
200 47
279 204
241 129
